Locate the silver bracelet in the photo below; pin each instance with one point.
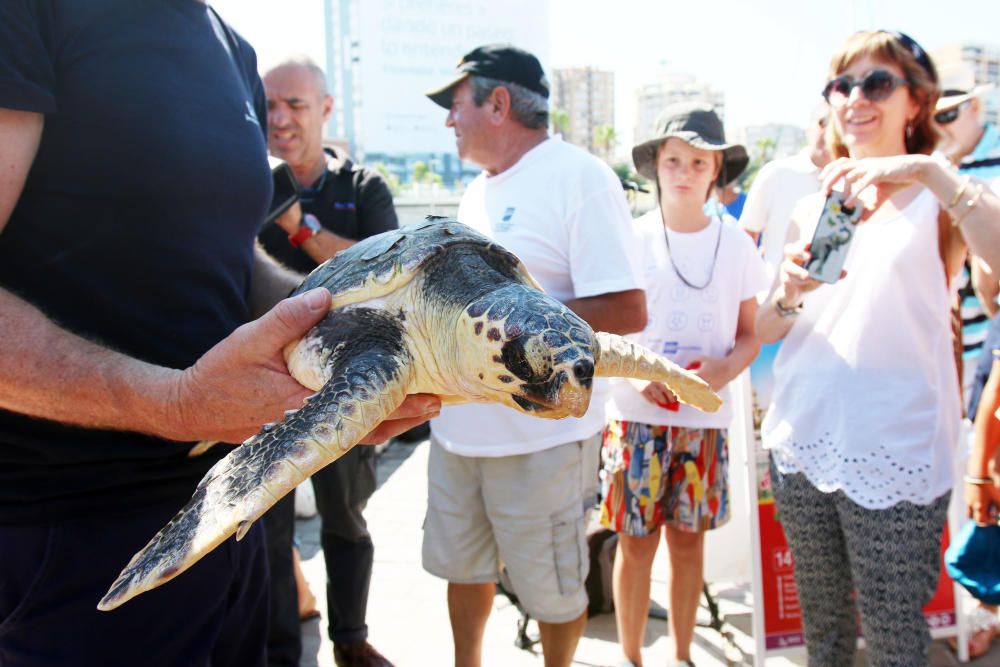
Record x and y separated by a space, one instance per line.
978 481
787 312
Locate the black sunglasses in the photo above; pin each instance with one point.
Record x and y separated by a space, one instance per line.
949 115
876 86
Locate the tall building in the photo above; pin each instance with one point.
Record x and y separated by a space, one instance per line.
652 98
985 61
587 97
381 55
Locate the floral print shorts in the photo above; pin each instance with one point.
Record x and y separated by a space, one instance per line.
657 475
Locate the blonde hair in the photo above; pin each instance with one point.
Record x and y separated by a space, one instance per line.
922 86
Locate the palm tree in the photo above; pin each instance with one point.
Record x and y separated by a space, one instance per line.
559 120
763 153
604 140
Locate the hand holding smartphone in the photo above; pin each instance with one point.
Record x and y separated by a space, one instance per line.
834 232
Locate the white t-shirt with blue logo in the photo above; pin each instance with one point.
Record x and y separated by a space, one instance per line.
564 213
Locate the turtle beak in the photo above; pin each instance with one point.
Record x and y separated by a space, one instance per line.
566 393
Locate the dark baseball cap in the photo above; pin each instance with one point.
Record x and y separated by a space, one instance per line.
495 61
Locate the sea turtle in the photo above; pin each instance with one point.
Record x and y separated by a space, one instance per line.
436 308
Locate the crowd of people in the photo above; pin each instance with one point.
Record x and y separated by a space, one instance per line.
143 312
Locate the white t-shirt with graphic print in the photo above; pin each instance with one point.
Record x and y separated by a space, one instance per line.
564 213
685 322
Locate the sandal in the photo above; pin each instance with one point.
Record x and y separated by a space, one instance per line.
984 627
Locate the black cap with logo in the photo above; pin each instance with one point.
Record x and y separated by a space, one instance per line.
495 61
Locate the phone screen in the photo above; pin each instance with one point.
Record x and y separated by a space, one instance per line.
834 232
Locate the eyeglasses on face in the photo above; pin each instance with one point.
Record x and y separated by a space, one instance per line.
949 115
876 86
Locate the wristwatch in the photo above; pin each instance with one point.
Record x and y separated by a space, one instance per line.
308 228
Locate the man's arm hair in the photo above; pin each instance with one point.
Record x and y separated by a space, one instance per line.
97 387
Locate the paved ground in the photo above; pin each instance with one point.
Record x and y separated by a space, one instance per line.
408 615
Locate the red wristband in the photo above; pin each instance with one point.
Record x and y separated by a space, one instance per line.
308 228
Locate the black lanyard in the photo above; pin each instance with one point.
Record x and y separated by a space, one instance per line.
670 256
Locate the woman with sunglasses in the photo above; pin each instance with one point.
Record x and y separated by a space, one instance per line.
865 408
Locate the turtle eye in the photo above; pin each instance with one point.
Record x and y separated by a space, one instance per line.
524 357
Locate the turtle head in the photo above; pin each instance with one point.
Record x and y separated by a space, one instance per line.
522 348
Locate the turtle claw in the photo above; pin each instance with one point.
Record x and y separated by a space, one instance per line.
243 529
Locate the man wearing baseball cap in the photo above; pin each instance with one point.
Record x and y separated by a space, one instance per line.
504 487
974 147
965 139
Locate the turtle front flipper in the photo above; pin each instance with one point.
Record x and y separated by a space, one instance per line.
368 380
619 357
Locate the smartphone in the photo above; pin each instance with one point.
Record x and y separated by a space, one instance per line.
834 231
286 188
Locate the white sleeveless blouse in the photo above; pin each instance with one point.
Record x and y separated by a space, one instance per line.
866 394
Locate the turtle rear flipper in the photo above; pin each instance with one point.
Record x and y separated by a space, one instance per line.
365 386
619 357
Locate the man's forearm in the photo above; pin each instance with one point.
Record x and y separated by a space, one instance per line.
48 372
325 245
616 312
269 282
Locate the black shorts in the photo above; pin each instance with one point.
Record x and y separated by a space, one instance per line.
52 576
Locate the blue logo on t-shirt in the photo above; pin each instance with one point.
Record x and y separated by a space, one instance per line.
251 115
508 214
672 348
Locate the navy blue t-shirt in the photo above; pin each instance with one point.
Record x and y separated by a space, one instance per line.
136 225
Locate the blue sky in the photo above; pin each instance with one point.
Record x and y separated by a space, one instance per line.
769 56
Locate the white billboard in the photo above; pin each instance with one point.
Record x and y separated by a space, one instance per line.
406 47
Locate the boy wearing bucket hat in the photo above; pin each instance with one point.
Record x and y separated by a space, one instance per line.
665 463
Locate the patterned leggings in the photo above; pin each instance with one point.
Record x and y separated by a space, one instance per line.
891 557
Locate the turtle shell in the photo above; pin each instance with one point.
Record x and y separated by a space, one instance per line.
383 263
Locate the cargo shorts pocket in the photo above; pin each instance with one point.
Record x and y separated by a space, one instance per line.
567 549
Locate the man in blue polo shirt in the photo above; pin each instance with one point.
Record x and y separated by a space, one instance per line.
341 204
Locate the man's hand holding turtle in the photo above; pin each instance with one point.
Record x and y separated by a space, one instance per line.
243 382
